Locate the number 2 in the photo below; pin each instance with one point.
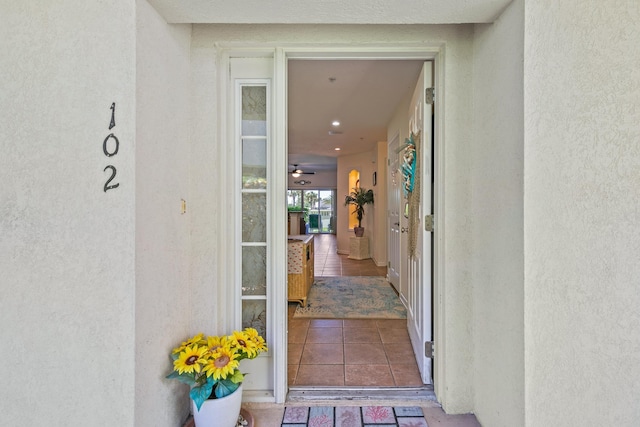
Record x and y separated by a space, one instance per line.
113 175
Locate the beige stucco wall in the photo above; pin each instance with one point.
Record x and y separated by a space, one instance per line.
582 210
67 247
163 292
497 220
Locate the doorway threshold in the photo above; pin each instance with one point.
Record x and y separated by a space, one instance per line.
361 394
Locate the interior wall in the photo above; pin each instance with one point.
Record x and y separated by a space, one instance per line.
208 173
67 246
582 210
497 219
321 180
163 309
362 163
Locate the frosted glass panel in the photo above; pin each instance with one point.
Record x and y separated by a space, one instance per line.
254 110
254 270
254 163
254 217
254 315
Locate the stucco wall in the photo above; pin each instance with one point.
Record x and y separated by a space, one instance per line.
163 293
497 219
66 246
208 172
582 210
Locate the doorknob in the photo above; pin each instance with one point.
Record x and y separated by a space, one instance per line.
404 229
396 224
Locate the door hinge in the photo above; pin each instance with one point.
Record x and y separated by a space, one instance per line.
429 223
429 349
429 95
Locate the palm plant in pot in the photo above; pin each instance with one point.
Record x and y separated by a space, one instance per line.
211 367
359 198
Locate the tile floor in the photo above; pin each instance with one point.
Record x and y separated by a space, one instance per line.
351 352
348 352
327 262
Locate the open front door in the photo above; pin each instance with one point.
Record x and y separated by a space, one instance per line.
420 206
394 203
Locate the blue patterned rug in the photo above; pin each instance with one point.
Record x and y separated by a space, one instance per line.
353 416
355 297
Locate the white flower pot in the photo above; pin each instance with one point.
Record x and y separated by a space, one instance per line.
222 412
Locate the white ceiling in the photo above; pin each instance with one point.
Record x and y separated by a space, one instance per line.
364 94
330 11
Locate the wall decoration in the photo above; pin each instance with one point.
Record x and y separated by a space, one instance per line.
411 174
409 160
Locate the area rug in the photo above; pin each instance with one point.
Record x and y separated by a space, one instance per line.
353 416
353 297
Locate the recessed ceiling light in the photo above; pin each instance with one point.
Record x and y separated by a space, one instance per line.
335 123
337 148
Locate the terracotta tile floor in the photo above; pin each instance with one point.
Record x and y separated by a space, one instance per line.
348 352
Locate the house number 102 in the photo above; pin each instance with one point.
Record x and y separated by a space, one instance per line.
110 147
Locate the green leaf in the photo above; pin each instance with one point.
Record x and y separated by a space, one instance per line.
237 377
189 379
225 388
201 393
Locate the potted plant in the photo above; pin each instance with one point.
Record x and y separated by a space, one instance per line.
210 366
359 197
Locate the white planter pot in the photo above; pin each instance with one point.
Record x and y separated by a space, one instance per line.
219 412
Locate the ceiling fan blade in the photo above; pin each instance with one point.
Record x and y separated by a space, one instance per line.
299 171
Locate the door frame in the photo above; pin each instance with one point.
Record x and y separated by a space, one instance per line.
278 162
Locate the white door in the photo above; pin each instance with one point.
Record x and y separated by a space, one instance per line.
394 200
419 263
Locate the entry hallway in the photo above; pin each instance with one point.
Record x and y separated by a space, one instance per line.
362 352
348 352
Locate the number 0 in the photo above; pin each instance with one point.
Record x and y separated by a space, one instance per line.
104 146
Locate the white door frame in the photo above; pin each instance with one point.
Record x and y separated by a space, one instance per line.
278 162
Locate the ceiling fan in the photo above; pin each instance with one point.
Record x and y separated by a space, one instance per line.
296 172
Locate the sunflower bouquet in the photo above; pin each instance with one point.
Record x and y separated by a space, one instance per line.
210 365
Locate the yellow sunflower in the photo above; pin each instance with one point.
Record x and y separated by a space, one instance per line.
213 343
240 340
222 364
190 359
191 341
253 335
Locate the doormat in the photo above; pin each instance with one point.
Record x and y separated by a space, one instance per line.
353 416
352 297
